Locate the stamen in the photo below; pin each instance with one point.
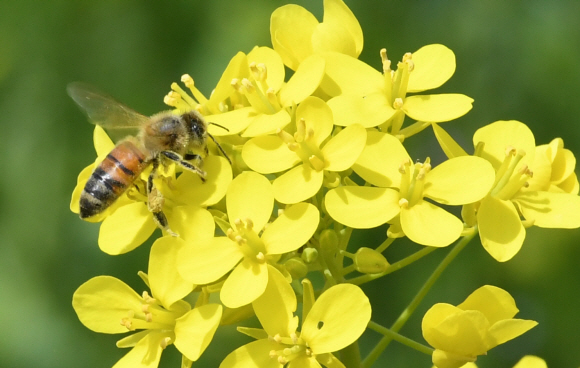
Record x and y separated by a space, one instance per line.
165 342
385 61
260 257
249 224
316 163
187 80
403 203
248 85
300 130
398 103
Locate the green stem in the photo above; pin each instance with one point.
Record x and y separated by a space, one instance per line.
381 248
406 314
400 338
392 268
350 356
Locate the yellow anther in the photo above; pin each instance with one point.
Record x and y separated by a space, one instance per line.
187 80
260 257
316 163
248 85
273 354
398 103
300 130
263 71
510 151
282 360
240 240
235 83
403 203
285 136
294 337
249 223
385 61
280 212
277 338
165 342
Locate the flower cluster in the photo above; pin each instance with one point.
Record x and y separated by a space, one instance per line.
294 164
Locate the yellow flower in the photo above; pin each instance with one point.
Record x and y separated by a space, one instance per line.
529 361
558 166
249 245
258 100
272 154
296 34
128 222
400 188
164 318
483 321
337 319
510 147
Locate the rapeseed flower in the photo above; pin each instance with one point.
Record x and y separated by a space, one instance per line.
104 301
272 154
335 320
363 95
515 199
296 34
251 242
483 321
400 188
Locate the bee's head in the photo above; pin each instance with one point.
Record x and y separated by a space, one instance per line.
196 127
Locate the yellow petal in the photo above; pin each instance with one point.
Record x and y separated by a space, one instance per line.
337 319
530 361
166 284
550 210
256 354
500 229
496 304
291 28
502 134
276 306
102 302
437 108
203 263
337 13
461 180
506 330
344 149
434 65
298 184
237 68
245 284
348 75
368 111
126 229
192 223
427 224
333 37
267 124
292 229
189 188
379 162
317 116
250 195
274 65
146 354
448 145
103 144
235 121
195 329
362 207
268 154
304 81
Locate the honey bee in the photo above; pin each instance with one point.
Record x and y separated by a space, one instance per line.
161 138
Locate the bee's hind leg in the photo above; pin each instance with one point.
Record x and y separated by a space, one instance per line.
186 165
155 202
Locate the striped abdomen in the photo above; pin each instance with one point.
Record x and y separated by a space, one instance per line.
112 178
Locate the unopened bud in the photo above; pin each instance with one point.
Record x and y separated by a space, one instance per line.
329 242
368 260
310 255
296 267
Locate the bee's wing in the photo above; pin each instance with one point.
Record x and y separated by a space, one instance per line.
103 109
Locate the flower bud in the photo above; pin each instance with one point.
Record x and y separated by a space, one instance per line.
296 267
329 242
310 255
368 260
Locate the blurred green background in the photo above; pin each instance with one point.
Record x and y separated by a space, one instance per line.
517 59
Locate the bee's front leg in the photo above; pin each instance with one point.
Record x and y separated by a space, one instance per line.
155 201
186 165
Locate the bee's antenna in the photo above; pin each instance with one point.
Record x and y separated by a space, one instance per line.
216 142
221 126
220 147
